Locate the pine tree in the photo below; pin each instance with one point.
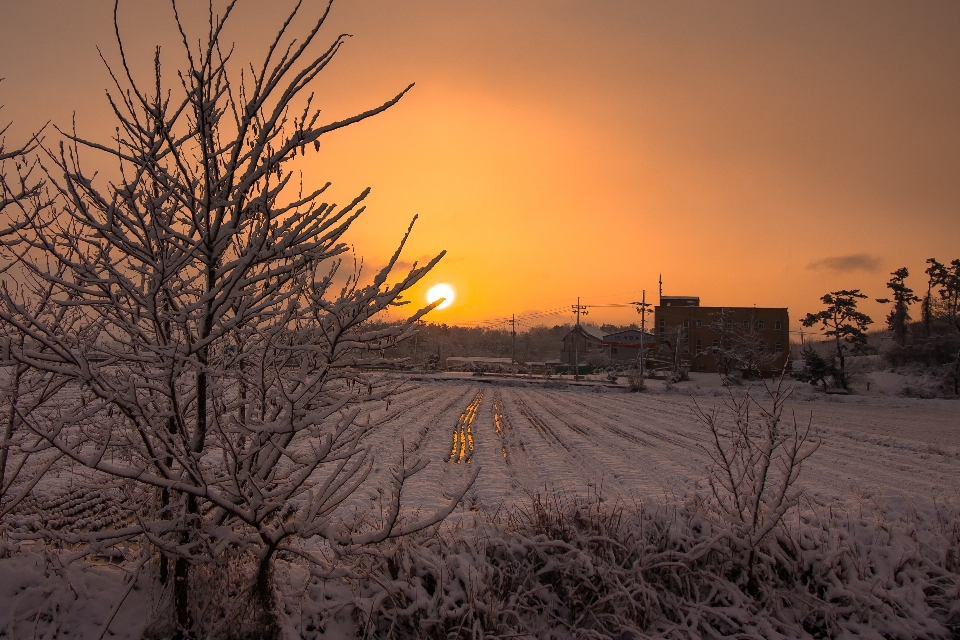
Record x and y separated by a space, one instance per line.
903 297
844 324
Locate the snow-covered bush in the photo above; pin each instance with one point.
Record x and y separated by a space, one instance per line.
635 380
574 568
207 348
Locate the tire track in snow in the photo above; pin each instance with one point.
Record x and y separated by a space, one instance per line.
462 450
436 415
517 463
428 420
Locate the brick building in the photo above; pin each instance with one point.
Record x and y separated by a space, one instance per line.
680 322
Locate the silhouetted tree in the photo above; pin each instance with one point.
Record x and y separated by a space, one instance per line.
946 279
841 321
903 297
926 311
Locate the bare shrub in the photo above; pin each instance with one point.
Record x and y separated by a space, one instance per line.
635 380
756 456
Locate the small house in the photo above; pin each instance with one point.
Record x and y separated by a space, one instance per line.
580 341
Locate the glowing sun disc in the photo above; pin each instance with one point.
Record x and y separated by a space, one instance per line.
438 291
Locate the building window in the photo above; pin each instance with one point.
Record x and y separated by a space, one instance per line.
614 350
763 346
715 344
686 324
702 368
760 324
778 347
746 324
699 324
686 347
699 346
777 325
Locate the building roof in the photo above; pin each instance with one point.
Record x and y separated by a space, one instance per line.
593 332
615 335
679 301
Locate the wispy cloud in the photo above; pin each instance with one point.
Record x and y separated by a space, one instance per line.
843 264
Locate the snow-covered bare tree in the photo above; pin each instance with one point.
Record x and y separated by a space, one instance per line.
19 185
743 347
722 327
674 344
198 314
23 459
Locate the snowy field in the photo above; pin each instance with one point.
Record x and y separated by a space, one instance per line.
879 454
530 439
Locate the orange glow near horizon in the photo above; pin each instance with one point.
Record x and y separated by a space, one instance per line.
752 154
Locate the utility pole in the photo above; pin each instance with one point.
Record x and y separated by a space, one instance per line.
642 310
416 340
574 336
661 287
513 339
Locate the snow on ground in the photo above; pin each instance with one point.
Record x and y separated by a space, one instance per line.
881 450
650 444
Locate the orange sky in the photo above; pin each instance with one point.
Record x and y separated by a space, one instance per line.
754 153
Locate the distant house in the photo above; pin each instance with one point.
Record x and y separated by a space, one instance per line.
701 331
474 361
579 342
624 346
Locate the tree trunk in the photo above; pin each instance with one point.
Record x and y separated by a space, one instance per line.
956 376
841 371
264 584
263 597
181 592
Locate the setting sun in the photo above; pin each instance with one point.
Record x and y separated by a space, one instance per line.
439 291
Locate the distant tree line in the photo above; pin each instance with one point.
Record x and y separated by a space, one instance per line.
932 340
533 344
